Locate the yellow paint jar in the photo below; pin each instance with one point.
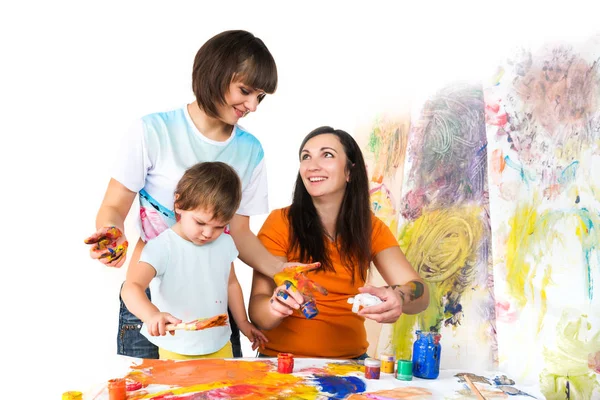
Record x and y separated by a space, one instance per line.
388 362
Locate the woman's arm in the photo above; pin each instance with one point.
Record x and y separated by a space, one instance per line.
115 205
109 246
406 293
402 278
252 251
266 309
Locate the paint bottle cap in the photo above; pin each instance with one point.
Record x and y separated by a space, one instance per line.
387 357
73 395
404 370
372 362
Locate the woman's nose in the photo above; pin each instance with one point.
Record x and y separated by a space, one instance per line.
251 104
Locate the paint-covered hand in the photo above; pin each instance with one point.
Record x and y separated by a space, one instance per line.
254 335
294 273
157 323
387 312
109 246
284 300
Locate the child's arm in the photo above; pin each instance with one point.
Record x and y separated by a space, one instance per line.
235 298
133 293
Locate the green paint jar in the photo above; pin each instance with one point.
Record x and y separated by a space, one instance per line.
404 370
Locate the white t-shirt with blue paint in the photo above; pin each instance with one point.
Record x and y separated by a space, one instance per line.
160 147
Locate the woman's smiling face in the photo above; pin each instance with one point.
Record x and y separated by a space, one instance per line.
323 166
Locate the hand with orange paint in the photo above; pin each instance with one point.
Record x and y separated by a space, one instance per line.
109 246
295 274
254 335
294 289
157 323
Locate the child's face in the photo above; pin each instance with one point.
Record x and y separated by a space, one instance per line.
199 227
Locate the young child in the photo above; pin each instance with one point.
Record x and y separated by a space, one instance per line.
193 265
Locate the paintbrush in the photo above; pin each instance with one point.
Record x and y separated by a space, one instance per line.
473 388
199 324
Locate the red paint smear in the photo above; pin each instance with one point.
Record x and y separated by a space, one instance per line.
494 115
196 372
133 385
247 392
504 313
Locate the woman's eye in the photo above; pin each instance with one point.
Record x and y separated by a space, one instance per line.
245 92
304 157
261 97
328 155
200 223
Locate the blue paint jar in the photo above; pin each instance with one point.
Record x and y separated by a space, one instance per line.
426 355
309 309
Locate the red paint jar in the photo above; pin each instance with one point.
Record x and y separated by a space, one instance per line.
285 363
117 389
372 368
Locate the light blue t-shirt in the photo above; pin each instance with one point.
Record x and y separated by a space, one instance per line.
160 147
191 282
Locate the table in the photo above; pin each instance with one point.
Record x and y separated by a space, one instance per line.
257 378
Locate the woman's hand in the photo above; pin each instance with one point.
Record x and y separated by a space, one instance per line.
256 337
156 324
294 274
285 300
387 312
109 246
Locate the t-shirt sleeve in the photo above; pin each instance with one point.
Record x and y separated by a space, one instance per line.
156 253
274 234
255 196
132 162
382 237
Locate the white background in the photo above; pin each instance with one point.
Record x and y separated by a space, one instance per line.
73 76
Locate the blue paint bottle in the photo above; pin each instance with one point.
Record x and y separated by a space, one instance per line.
426 355
309 309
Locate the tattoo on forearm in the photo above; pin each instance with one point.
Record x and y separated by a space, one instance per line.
412 289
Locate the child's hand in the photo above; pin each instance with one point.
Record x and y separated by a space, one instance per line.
256 337
109 246
156 323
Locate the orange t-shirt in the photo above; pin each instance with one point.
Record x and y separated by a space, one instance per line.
336 332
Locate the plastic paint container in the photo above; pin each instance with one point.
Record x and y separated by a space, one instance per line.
404 370
285 363
72 396
388 363
309 309
372 368
117 389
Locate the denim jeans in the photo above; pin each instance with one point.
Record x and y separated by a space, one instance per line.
130 341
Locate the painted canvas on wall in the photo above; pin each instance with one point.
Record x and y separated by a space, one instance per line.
543 124
439 212
493 192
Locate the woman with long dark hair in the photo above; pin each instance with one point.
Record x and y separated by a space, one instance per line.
330 221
